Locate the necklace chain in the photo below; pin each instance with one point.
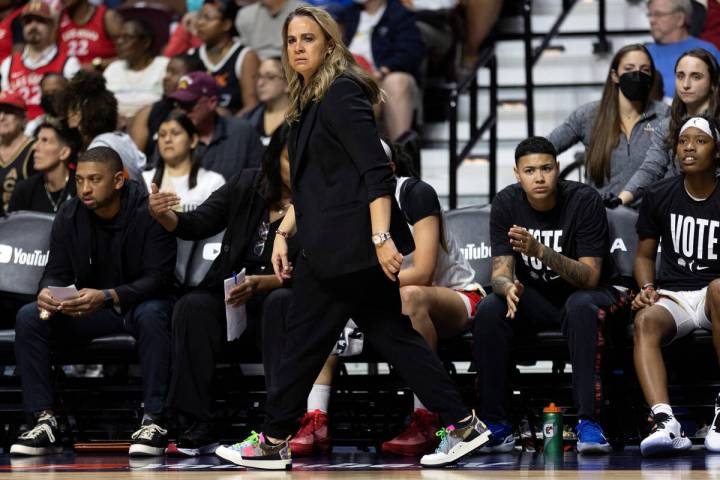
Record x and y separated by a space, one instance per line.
56 204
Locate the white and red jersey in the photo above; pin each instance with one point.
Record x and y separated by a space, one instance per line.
22 76
89 40
6 33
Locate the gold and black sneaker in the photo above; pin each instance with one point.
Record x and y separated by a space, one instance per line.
456 441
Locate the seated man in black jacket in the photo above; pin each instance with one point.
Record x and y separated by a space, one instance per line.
105 242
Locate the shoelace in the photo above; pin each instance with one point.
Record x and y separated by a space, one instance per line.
39 429
584 426
716 425
146 432
444 434
307 424
659 420
253 439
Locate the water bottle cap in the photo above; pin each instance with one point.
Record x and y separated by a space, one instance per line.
552 408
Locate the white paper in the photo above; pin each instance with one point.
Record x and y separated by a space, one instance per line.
236 316
64 293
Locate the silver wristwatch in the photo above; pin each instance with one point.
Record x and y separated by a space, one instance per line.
380 238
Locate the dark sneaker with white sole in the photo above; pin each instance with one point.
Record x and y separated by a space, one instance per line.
256 452
196 440
456 442
149 440
41 440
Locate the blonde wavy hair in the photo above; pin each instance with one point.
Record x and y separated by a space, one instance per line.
338 61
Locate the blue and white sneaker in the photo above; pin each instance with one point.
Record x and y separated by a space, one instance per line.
502 439
666 437
591 438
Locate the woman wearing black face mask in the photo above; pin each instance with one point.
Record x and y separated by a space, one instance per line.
697 92
617 130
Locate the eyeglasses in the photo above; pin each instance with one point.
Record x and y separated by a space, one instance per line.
270 77
28 19
208 18
186 106
263 230
660 14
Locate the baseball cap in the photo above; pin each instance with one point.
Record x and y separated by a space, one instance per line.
38 8
12 98
195 85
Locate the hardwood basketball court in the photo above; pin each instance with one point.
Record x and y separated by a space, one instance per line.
628 464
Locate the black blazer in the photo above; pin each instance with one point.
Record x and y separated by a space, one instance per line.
338 167
237 207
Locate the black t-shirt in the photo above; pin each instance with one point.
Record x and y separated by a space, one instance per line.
105 248
418 200
31 195
688 230
576 227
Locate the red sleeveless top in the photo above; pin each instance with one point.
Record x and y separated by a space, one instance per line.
87 41
26 81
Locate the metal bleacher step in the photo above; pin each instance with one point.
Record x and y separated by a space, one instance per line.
565 77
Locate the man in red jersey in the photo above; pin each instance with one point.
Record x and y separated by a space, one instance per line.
23 71
10 27
88 32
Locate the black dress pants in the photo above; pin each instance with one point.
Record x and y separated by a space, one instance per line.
199 332
149 322
493 334
320 309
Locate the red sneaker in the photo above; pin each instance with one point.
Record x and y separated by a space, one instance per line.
313 436
418 438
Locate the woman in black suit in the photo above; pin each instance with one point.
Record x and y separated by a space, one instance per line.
347 223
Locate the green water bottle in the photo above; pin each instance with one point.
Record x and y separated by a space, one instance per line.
553 430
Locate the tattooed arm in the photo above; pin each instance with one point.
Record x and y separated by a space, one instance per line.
583 273
502 273
503 284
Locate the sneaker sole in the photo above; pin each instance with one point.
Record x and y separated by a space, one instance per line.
235 457
459 451
657 449
590 447
139 450
711 448
34 451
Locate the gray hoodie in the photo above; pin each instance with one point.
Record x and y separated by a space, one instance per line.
627 156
